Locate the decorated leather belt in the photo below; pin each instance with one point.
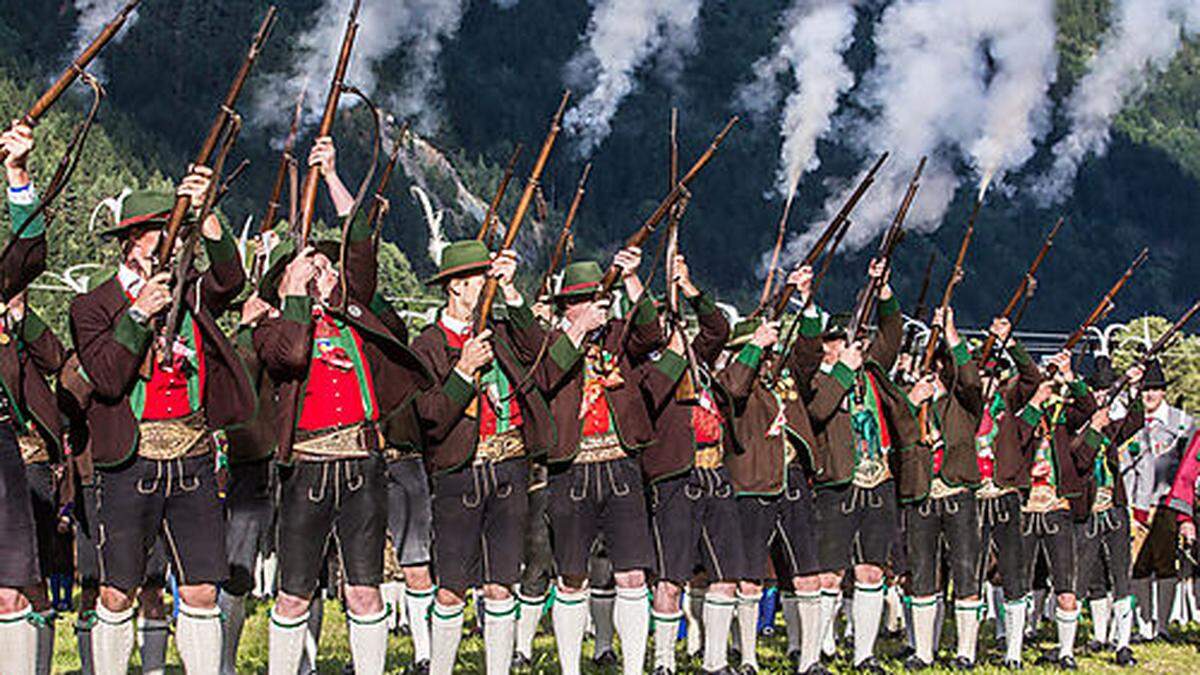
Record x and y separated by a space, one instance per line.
989 490
393 454
500 447
164 440
938 489
599 448
356 441
33 449
871 473
709 457
1044 499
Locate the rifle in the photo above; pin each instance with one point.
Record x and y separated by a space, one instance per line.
1159 346
1106 304
780 233
891 239
487 228
77 67
564 237
286 162
308 195
1022 289
910 336
226 120
510 235
664 208
935 330
379 202
686 391
785 296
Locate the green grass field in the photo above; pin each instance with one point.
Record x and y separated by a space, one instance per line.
335 654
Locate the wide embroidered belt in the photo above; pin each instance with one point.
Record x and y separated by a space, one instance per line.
356 441
599 448
33 449
500 447
709 457
1104 500
939 490
163 440
871 473
393 454
989 490
1044 499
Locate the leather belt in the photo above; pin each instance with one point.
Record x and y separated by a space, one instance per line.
33 449
500 447
600 448
393 454
356 441
709 457
164 440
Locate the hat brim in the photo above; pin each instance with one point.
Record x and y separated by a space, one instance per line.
578 291
118 231
268 285
466 270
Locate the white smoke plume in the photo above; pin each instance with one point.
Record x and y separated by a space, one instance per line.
815 35
418 27
956 80
91 17
622 36
1141 41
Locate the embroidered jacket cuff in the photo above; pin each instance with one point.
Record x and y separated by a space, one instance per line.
672 365
459 388
750 356
297 308
564 353
962 355
1031 415
132 335
842 373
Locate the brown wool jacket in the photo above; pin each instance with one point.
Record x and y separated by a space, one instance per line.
1093 443
756 461
112 346
27 365
448 434
674 450
254 439
561 380
1012 438
831 419
1072 459
958 415
285 343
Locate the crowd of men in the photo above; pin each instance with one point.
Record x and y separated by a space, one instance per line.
575 454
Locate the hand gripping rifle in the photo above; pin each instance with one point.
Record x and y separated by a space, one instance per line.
76 69
510 236
835 225
308 195
664 208
488 228
564 237
887 248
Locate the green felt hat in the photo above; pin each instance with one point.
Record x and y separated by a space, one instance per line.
743 331
837 327
281 256
580 279
462 258
142 209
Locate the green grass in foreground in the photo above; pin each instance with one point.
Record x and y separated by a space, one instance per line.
335 650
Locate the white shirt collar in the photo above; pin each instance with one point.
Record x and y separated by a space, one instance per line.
131 281
455 325
1161 413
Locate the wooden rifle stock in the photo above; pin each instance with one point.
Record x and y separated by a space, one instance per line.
560 247
935 330
1022 288
1106 303
488 226
488 296
308 193
77 67
887 248
226 116
664 208
834 226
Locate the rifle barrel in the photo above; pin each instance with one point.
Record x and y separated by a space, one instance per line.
990 344
485 230
560 247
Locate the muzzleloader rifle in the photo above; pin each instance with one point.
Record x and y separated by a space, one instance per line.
287 162
564 237
488 228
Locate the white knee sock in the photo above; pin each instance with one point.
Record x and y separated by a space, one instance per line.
829 605
44 628
19 640
417 604
233 611
631 616
368 641
528 618
1067 622
569 616
395 598
791 619
1122 611
312 635
83 640
747 612
1000 606
718 615
1014 628
499 626
924 618
666 633
868 610
693 609
445 631
966 617
153 634
601 607
198 638
285 643
1101 609
112 641
808 610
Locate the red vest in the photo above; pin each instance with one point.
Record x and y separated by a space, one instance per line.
334 396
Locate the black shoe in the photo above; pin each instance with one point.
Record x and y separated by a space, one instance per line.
817 668
1095 647
662 670
963 663
605 659
905 652
793 657
1010 664
735 655
1168 638
870 665
1137 638
1068 663
419 668
747 669
520 661
1125 657
914 663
